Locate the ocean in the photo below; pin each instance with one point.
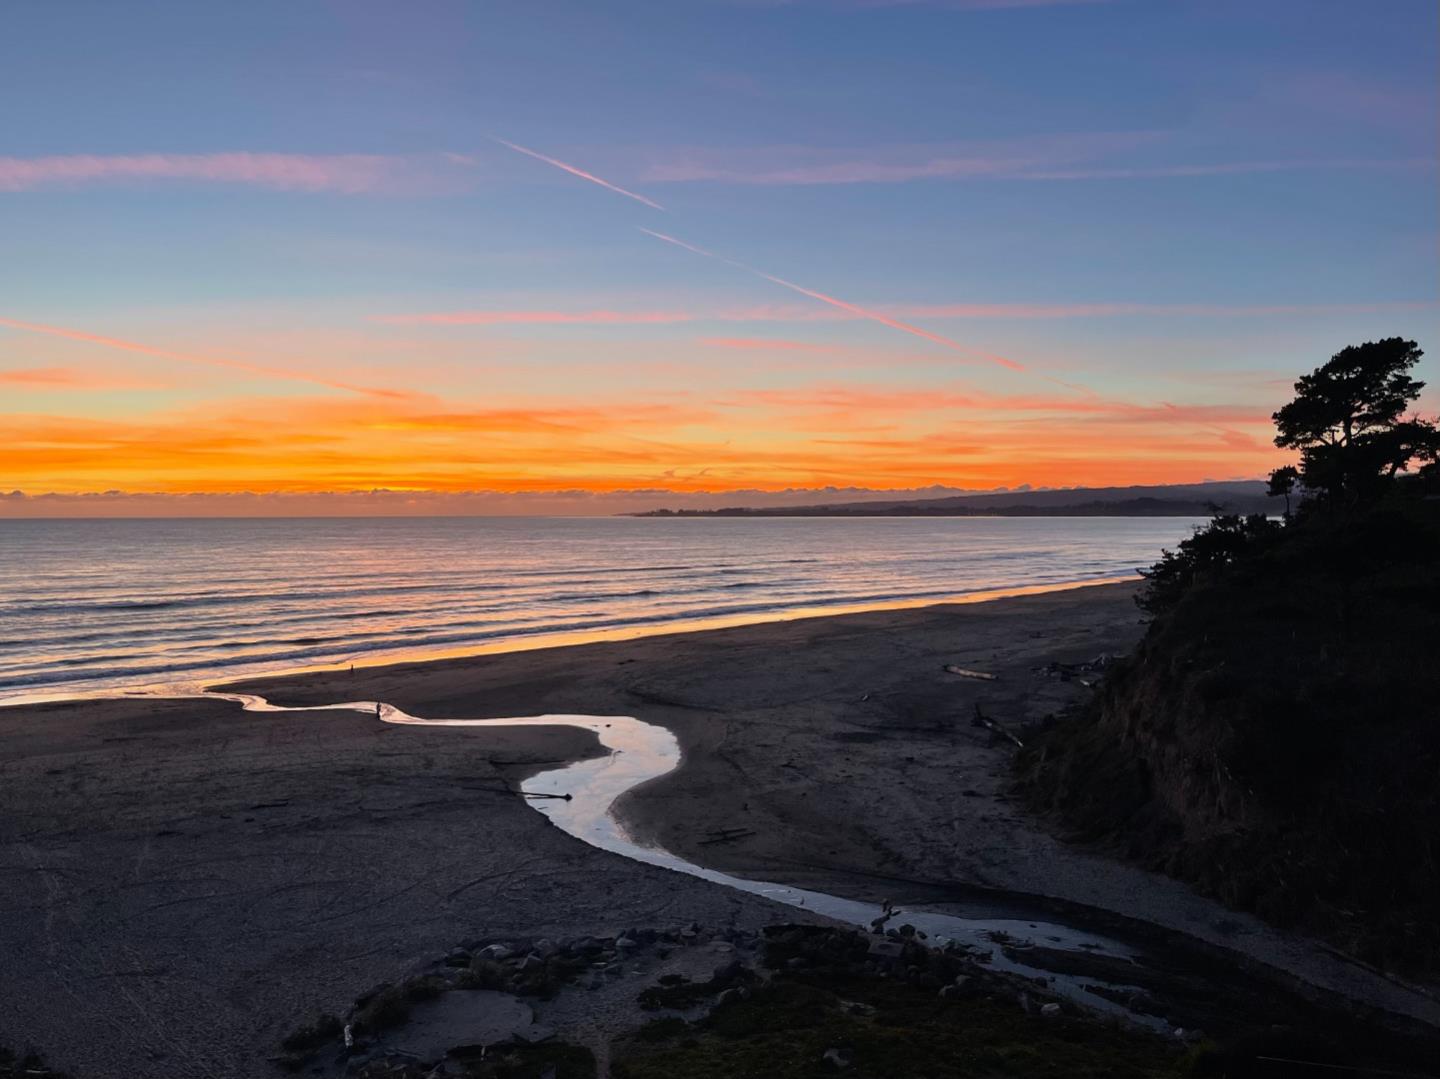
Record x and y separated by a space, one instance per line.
92 605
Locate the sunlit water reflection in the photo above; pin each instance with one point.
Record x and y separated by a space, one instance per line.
116 604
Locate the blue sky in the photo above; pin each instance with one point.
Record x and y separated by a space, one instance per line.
1137 199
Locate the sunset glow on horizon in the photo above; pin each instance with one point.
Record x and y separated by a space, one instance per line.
732 247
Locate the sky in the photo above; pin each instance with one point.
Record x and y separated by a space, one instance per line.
568 257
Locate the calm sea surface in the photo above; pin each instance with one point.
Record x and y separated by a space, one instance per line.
87 605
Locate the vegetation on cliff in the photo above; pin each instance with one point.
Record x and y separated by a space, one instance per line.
1275 739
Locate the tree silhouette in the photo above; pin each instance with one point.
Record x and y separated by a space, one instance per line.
1346 421
1282 482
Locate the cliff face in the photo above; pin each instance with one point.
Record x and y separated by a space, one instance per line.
1275 740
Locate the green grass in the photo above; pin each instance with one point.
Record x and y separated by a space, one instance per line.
890 1029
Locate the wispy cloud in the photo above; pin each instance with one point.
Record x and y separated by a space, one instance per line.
1077 156
894 163
1019 312
203 361
1121 310
866 399
347 173
768 344
1225 168
842 305
581 173
70 378
538 318
948 5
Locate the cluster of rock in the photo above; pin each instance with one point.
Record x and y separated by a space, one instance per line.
542 967
1065 672
675 961
951 970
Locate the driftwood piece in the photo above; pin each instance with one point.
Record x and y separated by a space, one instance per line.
982 720
727 835
965 672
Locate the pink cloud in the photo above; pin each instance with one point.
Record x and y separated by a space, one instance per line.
1108 310
538 318
1223 168
348 173
764 343
841 305
137 347
870 399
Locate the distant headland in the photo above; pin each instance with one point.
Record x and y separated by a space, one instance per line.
1172 500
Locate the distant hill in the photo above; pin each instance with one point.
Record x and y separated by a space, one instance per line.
1174 500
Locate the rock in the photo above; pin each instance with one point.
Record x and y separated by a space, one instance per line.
458 957
733 995
530 962
626 944
729 972
907 930
498 952
1050 1011
835 1058
886 949
722 947
796 963
545 948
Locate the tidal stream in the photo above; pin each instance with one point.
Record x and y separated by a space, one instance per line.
639 752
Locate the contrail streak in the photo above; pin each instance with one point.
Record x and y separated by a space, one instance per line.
854 309
203 361
573 171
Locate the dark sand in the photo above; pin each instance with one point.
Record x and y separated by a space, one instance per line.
183 883
164 915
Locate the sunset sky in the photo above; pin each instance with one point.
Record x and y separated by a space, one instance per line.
518 256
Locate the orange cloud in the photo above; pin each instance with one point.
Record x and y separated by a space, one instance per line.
863 400
761 438
70 378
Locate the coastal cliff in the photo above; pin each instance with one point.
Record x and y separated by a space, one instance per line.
1275 738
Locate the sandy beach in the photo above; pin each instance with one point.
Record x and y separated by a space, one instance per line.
186 882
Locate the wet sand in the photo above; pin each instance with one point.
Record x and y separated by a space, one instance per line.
189 882
182 884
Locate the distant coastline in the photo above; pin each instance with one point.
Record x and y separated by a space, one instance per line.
1181 500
